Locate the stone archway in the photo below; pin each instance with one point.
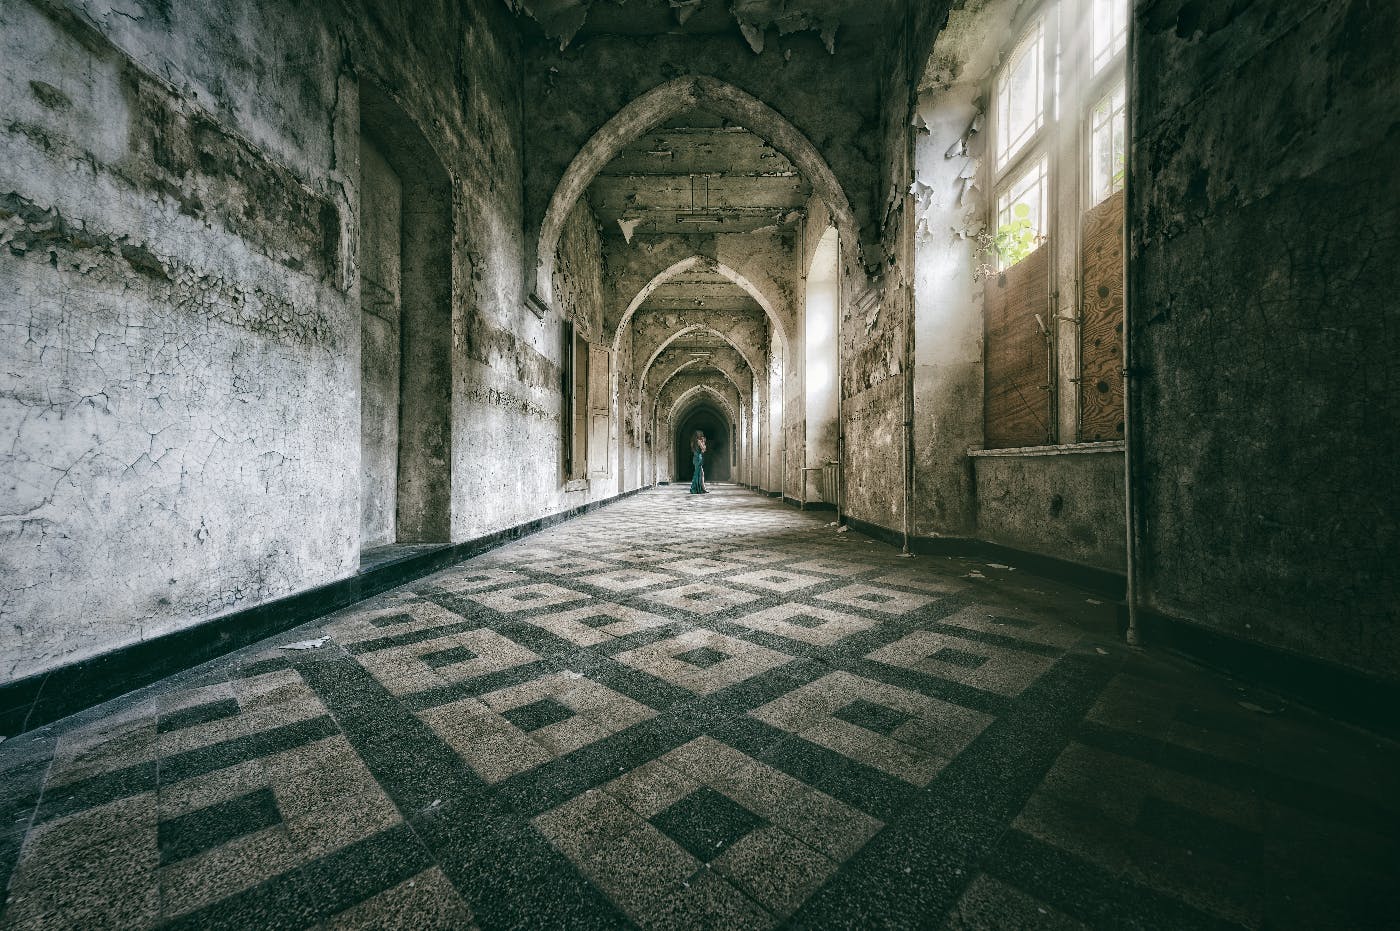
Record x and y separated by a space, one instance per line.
649 111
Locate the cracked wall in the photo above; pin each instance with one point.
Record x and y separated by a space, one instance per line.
1262 322
179 301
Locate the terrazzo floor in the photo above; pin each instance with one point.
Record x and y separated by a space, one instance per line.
701 712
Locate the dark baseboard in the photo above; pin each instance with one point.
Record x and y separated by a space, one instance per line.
1334 690
1112 585
47 697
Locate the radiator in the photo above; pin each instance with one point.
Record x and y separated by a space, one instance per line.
827 479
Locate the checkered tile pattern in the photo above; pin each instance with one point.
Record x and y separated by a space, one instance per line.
685 712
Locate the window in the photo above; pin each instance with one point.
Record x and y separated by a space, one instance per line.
1106 158
1022 213
575 365
587 413
1020 95
1109 31
1056 159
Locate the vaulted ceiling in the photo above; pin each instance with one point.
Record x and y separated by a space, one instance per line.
566 20
707 289
697 173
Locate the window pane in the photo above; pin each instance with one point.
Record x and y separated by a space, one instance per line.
1107 153
1021 95
1110 30
1023 214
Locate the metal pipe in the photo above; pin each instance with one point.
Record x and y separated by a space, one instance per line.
840 391
1132 523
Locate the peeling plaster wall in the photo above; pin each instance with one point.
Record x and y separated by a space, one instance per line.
948 323
1262 320
578 275
179 318
874 336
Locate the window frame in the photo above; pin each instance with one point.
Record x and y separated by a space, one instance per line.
1044 17
1072 86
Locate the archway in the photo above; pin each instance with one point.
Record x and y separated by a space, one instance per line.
405 278
699 263
649 111
708 418
821 354
685 331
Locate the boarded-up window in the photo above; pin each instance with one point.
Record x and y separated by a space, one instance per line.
1101 326
1017 409
599 409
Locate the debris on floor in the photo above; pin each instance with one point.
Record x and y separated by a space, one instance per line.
307 644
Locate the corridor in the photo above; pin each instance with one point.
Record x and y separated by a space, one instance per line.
718 712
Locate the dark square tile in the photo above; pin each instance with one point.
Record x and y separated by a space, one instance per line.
538 714
703 657
707 823
447 657
207 828
199 714
872 716
876 598
805 620
958 658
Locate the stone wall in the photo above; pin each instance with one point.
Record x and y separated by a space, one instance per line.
1063 502
180 298
1262 321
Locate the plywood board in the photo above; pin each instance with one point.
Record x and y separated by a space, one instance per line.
1101 323
1017 409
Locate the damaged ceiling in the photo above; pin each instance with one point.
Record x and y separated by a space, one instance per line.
756 20
698 174
709 290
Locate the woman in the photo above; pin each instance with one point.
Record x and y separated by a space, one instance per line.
697 454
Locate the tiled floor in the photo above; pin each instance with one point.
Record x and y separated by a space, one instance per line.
701 712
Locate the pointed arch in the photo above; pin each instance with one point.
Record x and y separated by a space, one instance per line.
693 328
686 397
656 106
706 264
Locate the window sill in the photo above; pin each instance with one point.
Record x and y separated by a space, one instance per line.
1066 449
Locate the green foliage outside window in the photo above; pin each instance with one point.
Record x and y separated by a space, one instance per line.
1016 238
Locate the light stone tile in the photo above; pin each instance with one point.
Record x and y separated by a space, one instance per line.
701 597
700 566
576 624
425 902
743 661
528 597
1005 622
407 668
980 665
462 580
835 567
627 580
807 623
810 712
608 834
776 580
497 749
876 598
566 565
352 626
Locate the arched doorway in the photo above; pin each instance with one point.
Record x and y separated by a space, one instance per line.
714 423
